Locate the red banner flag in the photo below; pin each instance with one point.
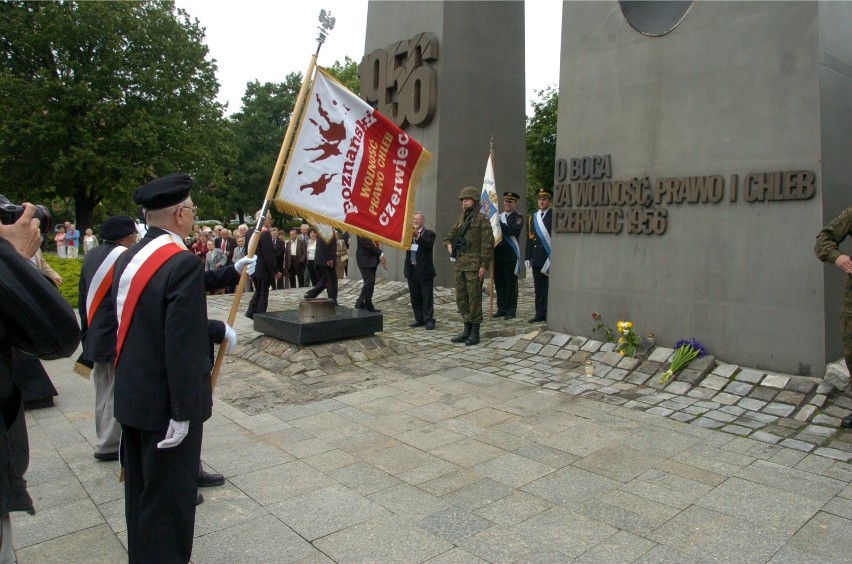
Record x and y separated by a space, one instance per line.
351 167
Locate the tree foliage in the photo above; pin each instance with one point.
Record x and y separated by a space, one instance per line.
346 73
100 97
541 143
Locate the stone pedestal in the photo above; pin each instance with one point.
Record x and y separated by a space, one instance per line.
315 323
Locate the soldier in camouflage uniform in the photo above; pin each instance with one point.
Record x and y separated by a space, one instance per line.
471 243
827 249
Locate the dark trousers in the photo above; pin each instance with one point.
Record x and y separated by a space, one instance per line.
159 494
311 277
296 274
260 299
327 280
541 283
507 287
368 273
422 298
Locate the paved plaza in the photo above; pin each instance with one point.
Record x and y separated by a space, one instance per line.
403 447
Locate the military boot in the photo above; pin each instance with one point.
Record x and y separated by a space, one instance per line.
474 335
462 337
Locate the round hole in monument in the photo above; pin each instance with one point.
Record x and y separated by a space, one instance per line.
654 18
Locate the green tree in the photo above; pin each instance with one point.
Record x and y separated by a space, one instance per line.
541 143
346 73
100 97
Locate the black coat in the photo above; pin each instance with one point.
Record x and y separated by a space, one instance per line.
535 252
512 226
35 318
367 255
99 338
163 371
265 267
424 268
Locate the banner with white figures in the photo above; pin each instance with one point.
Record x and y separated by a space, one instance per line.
488 200
350 167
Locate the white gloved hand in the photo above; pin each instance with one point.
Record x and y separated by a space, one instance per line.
527 263
231 337
251 262
174 434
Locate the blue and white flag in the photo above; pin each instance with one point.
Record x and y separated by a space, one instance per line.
488 199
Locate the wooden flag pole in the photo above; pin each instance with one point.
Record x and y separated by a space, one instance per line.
491 288
326 25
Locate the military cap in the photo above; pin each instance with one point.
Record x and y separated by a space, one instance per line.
117 227
469 192
510 197
164 191
544 193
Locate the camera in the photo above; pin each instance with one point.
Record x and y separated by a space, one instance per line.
10 213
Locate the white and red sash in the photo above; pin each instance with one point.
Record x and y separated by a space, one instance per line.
136 276
101 283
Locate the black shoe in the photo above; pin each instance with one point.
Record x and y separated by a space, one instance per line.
462 337
846 423
250 315
418 324
106 456
209 479
199 499
371 309
474 335
430 325
538 319
359 305
499 314
510 316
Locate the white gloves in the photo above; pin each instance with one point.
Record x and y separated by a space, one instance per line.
251 262
231 337
175 434
527 263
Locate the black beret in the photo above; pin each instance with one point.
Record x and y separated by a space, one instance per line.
164 191
117 227
511 196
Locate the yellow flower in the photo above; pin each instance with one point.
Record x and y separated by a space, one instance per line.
619 325
621 353
628 324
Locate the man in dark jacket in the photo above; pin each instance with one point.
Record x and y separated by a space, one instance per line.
326 261
264 272
36 319
97 317
538 252
368 256
295 258
507 258
419 270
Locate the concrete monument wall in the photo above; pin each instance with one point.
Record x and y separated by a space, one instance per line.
479 73
727 141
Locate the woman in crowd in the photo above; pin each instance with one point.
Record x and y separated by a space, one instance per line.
89 241
312 253
214 260
59 239
342 258
200 246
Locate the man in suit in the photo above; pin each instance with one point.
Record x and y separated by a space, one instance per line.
325 261
507 258
99 325
264 272
420 271
368 256
295 257
226 243
304 235
280 281
162 374
538 252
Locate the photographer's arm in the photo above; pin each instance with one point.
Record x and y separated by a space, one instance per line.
34 316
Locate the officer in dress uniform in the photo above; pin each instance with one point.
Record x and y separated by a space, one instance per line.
507 258
538 251
827 249
470 243
162 374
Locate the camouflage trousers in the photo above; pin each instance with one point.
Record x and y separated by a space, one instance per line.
846 332
469 295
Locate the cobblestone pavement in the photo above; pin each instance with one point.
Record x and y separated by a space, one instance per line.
404 447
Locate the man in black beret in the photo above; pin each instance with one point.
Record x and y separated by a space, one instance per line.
507 258
162 372
97 318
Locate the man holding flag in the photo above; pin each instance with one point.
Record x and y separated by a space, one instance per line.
538 252
507 258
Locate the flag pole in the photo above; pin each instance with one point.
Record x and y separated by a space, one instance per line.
326 25
491 288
